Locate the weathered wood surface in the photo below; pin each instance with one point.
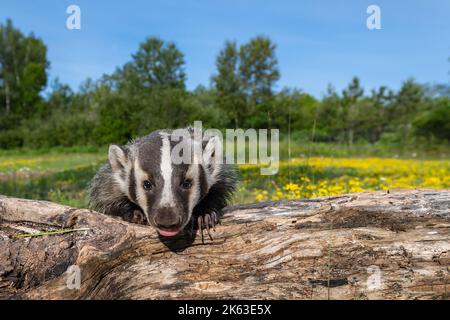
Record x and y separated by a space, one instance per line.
374 245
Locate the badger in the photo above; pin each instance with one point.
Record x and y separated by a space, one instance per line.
141 183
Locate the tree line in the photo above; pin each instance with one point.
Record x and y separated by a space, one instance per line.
149 92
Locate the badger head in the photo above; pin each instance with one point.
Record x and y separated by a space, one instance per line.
166 192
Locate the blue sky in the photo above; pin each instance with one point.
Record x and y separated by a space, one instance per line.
319 42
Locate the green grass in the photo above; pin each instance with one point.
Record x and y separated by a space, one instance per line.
362 149
62 175
66 187
47 163
23 152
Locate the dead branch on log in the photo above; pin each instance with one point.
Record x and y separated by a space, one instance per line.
358 246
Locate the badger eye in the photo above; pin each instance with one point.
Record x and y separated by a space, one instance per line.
147 185
186 184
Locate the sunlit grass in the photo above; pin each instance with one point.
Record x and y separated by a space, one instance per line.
64 177
61 178
54 163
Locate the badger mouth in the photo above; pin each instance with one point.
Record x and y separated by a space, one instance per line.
168 232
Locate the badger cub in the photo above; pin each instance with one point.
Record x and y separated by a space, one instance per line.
142 184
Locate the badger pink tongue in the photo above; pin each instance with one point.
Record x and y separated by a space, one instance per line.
168 233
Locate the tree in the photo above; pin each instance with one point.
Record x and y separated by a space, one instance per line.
245 79
23 70
61 96
258 72
374 117
200 104
258 69
329 120
296 107
409 100
145 94
230 96
435 122
349 107
159 64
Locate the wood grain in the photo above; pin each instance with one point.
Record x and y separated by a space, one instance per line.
372 245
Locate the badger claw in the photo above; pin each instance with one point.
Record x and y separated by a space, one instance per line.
135 216
207 221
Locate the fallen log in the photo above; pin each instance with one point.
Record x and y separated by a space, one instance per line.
372 245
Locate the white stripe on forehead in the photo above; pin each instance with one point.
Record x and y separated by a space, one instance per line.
166 172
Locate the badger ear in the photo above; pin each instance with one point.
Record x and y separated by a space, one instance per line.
117 157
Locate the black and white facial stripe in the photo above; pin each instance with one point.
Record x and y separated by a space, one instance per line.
142 177
166 171
175 189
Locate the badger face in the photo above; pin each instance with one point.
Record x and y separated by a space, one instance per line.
166 192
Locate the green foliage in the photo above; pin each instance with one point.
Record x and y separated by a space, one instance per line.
230 97
142 95
61 129
23 71
148 93
158 64
244 81
434 123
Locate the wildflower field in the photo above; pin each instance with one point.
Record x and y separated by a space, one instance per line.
326 176
64 177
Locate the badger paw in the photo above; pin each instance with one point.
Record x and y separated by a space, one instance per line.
135 216
207 221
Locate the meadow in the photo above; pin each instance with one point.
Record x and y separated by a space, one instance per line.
348 140
326 176
61 178
63 175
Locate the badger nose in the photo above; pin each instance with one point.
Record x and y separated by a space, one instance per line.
167 219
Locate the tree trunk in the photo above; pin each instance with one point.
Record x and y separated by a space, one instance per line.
373 245
7 98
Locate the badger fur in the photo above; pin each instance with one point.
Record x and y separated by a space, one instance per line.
141 184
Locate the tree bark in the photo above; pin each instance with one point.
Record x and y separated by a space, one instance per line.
7 98
373 245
